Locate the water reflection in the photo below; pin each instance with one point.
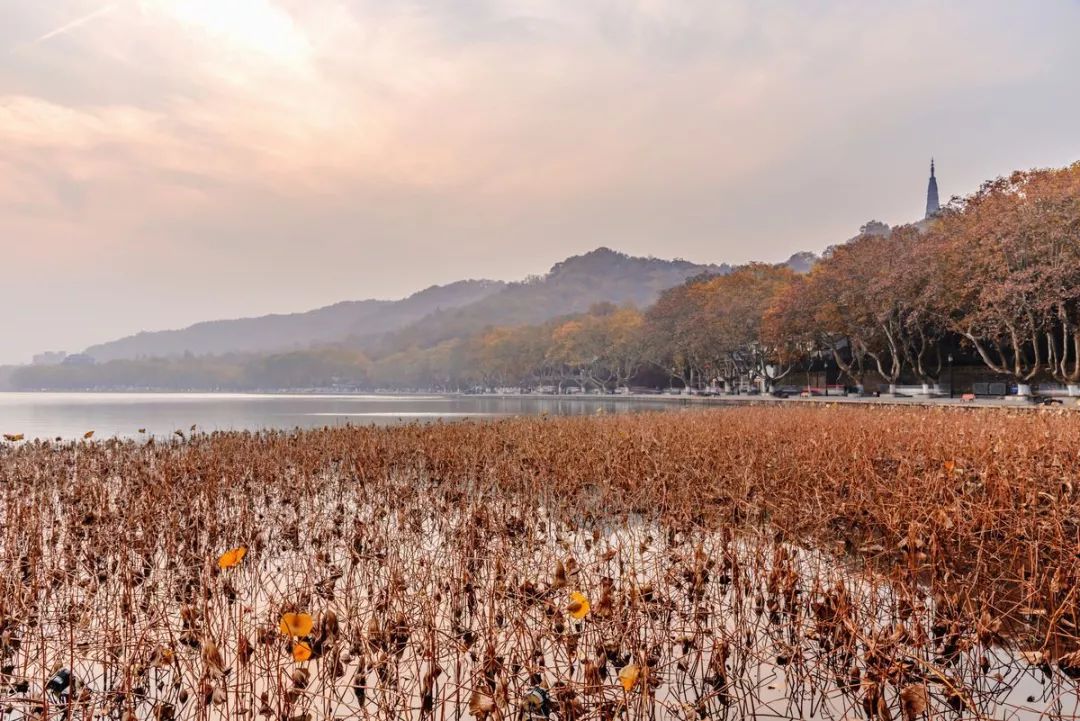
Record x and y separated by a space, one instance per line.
69 415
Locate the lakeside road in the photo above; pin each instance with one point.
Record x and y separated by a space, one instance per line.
1066 402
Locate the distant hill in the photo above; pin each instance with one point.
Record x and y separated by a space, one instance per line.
801 262
346 345
571 286
270 333
432 315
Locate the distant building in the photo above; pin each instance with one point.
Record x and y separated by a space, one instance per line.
932 204
875 227
78 359
49 358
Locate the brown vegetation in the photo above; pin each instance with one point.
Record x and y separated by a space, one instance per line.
792 561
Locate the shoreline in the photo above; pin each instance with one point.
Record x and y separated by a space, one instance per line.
746 400
915 400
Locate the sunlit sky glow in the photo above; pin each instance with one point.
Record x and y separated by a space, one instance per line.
169 161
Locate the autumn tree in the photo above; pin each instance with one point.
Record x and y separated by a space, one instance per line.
733 308
1008 274
676 340
513 356
825 311
910 289
569 354
605 345
624 352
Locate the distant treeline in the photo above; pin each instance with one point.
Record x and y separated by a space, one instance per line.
996 274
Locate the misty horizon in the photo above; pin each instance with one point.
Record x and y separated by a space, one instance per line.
496 282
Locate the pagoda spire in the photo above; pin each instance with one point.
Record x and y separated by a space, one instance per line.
932 204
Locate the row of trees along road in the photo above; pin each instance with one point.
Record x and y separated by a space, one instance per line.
998 270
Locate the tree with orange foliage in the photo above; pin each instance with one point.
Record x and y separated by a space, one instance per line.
513 356
734 307
912 287
866 303
676 339
605 345
568 354
623 332
1008 274
826 311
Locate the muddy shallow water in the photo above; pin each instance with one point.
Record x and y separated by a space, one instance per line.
648 566
718 626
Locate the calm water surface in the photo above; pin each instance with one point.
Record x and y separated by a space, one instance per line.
69 415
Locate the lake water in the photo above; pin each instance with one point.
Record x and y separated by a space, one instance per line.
70 415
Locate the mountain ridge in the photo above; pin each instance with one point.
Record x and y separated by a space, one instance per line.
291 331
426 317
570 286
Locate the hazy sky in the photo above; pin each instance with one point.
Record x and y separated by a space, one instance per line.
168 161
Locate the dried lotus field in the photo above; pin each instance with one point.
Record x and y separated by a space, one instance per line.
750 562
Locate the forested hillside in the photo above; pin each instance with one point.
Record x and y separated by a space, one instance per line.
571 286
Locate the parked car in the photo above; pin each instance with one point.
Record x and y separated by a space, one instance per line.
788 390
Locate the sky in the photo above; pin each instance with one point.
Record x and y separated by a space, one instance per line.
169 161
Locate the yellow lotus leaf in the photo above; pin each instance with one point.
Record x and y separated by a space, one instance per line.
232 557
950 466
88 434
13 437
301 651
296 624
628 675
578 606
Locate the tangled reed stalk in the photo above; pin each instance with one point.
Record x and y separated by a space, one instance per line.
745 562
